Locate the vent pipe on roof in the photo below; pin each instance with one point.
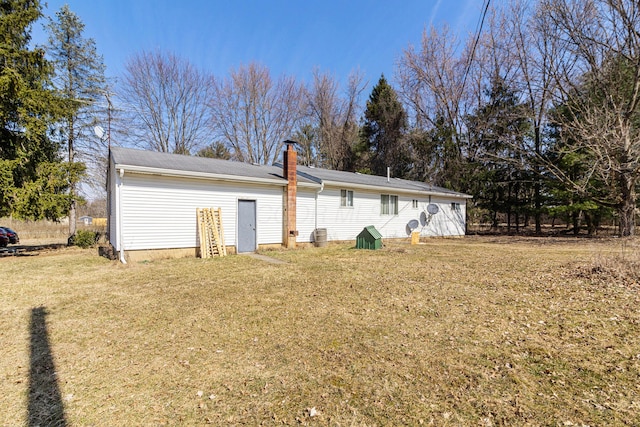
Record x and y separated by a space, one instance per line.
388 174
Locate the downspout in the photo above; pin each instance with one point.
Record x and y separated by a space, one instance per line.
316 216
109 196
122 258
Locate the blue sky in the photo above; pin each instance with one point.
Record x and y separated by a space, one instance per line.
288 36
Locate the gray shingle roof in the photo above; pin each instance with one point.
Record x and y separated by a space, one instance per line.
177 162
397 184
153 160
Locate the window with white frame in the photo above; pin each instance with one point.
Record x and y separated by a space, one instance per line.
455 207
388 204
346 198
414 203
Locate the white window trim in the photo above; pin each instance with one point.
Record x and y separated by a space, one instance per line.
348 201
389 205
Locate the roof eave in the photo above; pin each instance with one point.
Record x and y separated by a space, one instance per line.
395 189
146 170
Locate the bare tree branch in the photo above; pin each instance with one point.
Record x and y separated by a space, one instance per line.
166 97
603 40
254 114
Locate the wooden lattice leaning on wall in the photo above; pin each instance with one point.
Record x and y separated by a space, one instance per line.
211 232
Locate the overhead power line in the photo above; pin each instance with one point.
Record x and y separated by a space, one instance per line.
475 43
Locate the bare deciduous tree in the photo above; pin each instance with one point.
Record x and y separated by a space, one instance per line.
534 53
166 98
597 68
432 85
431 78
334 117
499 130
253 114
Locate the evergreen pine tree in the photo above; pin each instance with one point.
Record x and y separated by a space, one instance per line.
500 175
383 132
79 80
28 107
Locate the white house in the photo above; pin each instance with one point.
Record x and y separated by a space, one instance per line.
153 199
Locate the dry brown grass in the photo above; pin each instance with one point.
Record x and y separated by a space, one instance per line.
476 331
45 231
621 268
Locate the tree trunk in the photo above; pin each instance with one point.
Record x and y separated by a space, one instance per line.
575 218
627 209
509 208
72 217
517 205
72 188
589 220
537 187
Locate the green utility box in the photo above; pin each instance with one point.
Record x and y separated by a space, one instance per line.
369 238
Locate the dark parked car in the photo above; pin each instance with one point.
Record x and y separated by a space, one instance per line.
4 239
11 235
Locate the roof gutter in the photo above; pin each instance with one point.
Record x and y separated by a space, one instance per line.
145 170
394 189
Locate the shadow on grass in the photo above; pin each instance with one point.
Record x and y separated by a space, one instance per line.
45 402
30 250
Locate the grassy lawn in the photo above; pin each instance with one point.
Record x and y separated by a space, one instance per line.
476 331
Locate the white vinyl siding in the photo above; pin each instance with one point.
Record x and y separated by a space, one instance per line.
447 222
160 212
346 224
305 215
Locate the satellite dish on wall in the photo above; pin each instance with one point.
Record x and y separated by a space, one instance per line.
423 218
99 132
411 225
